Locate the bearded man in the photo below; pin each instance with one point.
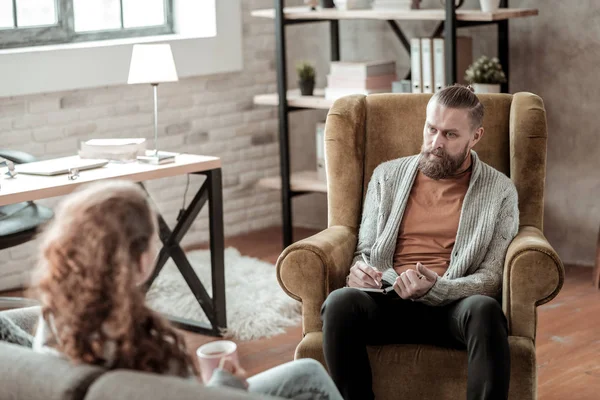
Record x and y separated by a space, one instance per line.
435 228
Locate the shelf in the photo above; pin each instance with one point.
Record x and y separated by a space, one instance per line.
305 13
294 99
304 181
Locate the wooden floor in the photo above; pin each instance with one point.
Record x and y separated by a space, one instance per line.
568 340
568 334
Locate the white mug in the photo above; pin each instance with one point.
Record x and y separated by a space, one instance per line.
210 355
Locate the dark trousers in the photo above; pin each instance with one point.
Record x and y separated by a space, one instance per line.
353 319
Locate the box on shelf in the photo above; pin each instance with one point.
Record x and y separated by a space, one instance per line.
359 77
353 4
403 86
320 140
392 5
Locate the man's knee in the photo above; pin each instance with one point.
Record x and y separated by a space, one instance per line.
485 311
341 304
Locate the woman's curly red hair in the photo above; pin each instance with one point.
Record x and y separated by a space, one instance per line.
90 254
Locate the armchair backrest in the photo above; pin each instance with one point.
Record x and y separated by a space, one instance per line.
361 132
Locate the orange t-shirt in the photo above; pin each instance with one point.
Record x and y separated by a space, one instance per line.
428 229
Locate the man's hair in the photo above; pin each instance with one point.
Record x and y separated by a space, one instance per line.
459 96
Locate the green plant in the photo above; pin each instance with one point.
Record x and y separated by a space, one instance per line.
485 70
305 71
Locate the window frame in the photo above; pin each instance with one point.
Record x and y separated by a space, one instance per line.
64 31
80 66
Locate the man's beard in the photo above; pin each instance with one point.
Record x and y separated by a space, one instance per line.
443 166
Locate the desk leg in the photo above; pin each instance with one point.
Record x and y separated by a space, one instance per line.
217 244
214 308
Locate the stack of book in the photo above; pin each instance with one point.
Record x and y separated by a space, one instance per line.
113 149
359 77
392 5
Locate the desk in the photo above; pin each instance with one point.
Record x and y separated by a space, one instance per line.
31 187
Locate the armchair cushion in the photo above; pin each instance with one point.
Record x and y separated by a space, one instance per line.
405 371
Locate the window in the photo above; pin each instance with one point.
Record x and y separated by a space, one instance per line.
37 22
207 40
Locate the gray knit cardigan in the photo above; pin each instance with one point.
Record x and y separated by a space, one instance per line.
489 221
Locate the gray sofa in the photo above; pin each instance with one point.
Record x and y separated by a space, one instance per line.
27 375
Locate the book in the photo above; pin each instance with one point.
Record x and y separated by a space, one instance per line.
464 58
439 65
362 69
427 65
415 65
375 290
320 141
163 157
371 82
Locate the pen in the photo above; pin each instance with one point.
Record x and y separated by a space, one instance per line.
366 262
364 258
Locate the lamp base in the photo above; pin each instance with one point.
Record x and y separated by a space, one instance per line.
161 157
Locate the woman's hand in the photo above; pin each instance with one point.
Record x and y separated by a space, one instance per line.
234 369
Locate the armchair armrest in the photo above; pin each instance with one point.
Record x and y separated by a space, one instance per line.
310 269
533 275
18 157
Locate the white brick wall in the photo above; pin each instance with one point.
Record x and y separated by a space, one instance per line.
206 115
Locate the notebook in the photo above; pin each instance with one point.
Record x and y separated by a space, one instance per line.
58 166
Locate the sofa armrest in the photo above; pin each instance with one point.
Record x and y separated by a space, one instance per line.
533 275
26 318
310 269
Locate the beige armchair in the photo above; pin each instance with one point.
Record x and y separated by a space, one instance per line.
364 131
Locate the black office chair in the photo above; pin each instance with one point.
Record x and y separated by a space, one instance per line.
19 223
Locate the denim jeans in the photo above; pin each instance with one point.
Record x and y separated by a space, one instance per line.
303 379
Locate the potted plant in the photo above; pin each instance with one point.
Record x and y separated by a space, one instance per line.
306 78
485 75
312 3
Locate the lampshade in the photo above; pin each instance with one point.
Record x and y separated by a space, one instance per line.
152 63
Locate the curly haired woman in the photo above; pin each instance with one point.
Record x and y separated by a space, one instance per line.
95 255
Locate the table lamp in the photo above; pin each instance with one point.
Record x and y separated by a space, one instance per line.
153 64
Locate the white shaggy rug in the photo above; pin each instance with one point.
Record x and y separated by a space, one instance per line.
256 305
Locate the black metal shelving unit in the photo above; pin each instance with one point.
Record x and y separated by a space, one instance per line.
448 27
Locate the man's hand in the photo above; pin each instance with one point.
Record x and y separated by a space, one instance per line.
413 284
234 369
364 276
